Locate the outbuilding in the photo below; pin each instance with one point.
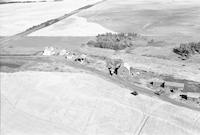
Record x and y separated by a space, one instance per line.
174 86
190 96
157 83
192 87
48 51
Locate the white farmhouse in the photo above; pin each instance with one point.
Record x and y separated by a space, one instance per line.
48 51
63 52
126 65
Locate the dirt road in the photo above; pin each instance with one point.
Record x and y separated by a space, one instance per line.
115 79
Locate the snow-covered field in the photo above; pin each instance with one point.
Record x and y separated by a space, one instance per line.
81 103
73 26
18 17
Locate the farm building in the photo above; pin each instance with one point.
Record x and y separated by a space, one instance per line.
167 86
48 51
81 58
193 95
63 52
174 86
157 84
71 55
190 96
191 87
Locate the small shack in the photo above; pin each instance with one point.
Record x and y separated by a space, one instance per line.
156 83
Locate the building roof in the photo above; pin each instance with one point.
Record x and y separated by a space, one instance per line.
191 87
192 94
174 84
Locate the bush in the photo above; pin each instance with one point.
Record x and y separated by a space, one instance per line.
187 49
114 41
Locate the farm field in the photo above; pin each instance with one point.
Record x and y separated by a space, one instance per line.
96 67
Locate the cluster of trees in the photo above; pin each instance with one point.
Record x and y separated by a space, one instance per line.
187 49
114 41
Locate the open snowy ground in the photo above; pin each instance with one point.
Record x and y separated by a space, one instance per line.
176 20
72 26
81 103
171 19
18 17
